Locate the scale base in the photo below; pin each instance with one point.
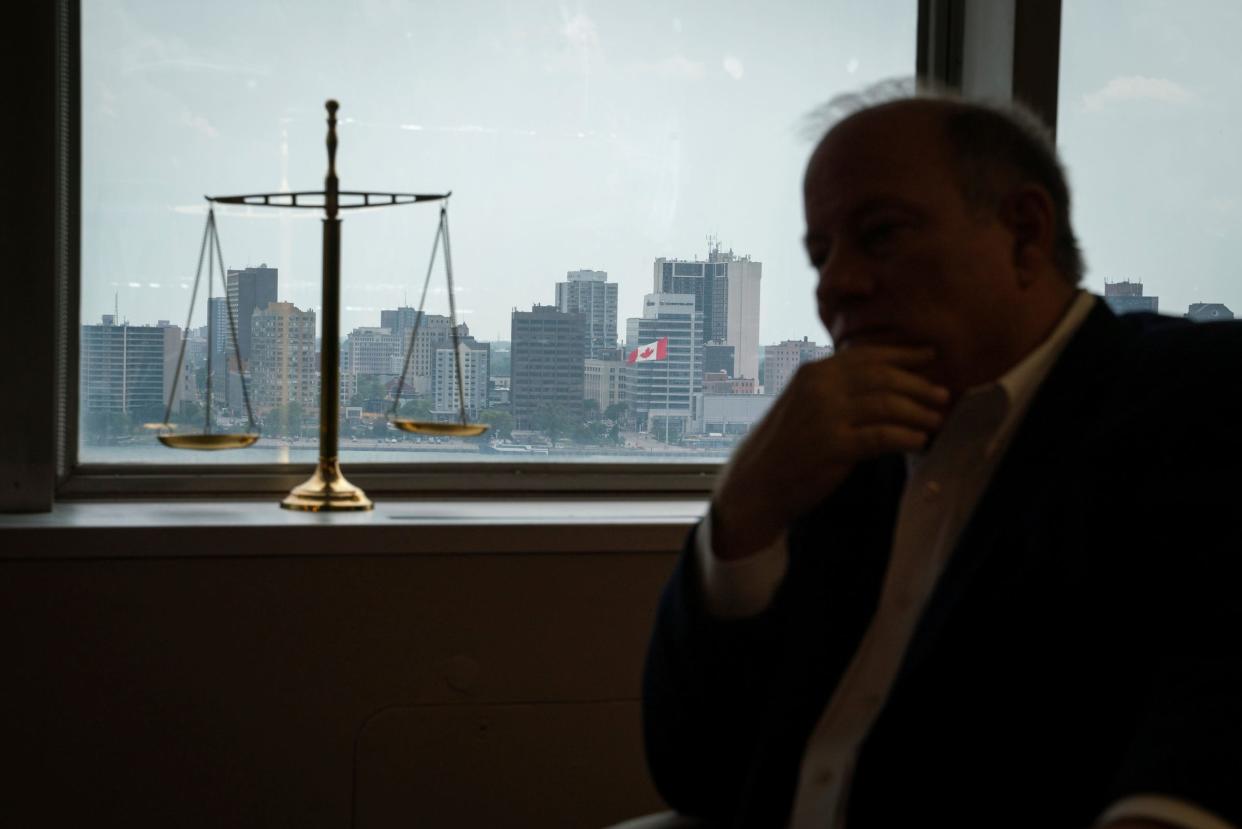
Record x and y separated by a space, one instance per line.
327 490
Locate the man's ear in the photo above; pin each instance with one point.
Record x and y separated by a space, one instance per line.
1030 216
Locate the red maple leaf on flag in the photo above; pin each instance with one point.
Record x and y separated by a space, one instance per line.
646 352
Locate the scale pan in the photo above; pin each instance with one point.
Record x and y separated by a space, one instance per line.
208 442
431 427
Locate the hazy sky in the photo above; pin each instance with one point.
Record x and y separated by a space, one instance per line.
574 135
1150 124
597 135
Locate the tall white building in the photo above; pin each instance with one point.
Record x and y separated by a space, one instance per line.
726 292
742 331
661 392
474 370
590 294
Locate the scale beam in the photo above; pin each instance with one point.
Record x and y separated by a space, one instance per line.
318 199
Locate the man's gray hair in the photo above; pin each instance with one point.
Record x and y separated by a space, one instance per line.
991 143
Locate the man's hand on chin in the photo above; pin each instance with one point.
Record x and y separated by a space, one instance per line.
857 405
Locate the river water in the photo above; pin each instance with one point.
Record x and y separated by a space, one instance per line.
268 451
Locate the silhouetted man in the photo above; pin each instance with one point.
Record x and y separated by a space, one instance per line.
975 568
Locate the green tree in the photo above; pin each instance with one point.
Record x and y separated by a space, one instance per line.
189 412
104 427
284 420
616 411
553 421
370 387
591 432
379 428
417 409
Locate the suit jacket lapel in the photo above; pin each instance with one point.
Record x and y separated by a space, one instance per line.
1075 383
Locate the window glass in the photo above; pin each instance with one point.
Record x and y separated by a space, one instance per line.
1149 127
625 218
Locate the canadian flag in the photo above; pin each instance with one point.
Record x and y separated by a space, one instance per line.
657 350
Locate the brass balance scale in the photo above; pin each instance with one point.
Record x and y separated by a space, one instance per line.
327 488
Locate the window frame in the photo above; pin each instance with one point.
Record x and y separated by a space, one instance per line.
976 46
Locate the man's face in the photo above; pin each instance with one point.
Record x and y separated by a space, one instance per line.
902 259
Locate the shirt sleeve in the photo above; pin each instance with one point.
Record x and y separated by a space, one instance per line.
1170 810
741 588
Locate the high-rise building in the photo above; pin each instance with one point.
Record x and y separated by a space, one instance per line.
591 294
283 366
349 386
743 307
249 290
1208 312
781 361
707 282
372 351
726 292
218 325
548 351
433 333
602 382
447 399
661 392
1126 297
172 355
720 357
123 369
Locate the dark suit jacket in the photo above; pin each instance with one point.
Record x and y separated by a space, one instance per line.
1082 645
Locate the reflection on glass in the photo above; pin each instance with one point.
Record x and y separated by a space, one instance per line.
630 278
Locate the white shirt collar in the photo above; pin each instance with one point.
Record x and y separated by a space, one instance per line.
992 411
1022 381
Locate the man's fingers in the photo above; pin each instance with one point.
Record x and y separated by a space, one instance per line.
893 355
873 441
896 409
873 355
892 378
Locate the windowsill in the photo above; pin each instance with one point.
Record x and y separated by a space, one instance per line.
230 528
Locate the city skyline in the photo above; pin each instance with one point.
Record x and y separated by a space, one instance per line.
593 137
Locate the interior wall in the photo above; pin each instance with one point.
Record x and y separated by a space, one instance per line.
327 691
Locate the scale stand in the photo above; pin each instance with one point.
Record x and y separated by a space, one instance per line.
327 489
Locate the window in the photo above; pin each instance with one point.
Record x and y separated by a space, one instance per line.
1149 127
604 158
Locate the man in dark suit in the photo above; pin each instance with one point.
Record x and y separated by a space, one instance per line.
977 568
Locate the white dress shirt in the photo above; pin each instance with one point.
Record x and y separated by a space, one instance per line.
941 491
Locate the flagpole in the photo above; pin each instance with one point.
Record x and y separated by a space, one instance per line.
667 381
